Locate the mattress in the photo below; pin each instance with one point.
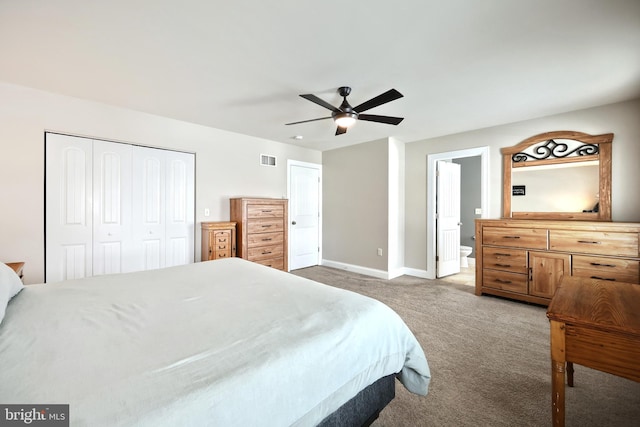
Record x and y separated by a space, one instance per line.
225 342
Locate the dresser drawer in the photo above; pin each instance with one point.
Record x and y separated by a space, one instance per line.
506 281
222 254
266 225
594 242
265 211
514 260
264 252
274 263
619 270
535 238
262 239
222 237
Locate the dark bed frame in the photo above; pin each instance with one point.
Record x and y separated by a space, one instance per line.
364 408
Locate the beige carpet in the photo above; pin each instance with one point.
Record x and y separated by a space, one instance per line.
489 360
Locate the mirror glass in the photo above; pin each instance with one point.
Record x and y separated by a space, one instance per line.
571 187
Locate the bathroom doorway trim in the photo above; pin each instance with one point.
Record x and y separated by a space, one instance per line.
483 152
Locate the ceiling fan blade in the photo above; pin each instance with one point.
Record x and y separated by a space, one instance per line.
307 121
340 131
381 119
321 102
388 96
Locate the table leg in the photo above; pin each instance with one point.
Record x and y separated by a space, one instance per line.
558 362
570 374
557 393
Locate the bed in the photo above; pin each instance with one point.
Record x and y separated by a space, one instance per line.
220 343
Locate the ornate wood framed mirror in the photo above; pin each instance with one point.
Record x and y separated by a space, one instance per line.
558 175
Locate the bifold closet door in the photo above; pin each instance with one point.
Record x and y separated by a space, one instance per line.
115 208
68 208
112 240
163 208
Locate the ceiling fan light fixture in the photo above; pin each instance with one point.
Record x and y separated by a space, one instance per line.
345 120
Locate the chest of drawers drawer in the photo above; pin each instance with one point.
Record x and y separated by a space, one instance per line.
514 260
265 211
515 237
265 225
264 252
263 239
594 242
614 269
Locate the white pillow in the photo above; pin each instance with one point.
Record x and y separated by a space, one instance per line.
10 285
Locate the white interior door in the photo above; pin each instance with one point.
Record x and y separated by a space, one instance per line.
68 216
447 218
304 215
112 242
180 208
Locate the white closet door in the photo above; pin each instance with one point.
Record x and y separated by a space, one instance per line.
180 208
112 241
68 208
149 188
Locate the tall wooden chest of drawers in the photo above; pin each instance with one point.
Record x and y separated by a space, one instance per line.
262 230
218 240
525 259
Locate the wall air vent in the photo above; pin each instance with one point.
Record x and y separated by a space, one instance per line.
266 160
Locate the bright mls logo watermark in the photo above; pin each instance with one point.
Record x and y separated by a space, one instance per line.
34 415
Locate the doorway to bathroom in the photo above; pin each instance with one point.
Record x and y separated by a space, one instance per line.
474 166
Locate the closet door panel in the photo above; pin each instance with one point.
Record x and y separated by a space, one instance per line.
148 208
112 242
68 210
180 208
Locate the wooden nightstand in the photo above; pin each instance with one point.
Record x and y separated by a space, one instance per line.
218 240
17 267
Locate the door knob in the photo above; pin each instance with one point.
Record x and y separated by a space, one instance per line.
293 223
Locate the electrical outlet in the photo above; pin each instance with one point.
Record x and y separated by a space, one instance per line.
478 211
379 251
206 212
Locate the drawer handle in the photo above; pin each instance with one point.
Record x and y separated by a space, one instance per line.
603 278
222 255
602 265
502 265
503 281
266 211
222 240
266 252
222 247
266 226
510 237
588 242
267 239
499 254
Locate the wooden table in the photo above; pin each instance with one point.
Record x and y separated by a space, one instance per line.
594 323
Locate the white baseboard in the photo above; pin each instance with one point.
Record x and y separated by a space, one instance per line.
380 274
416 273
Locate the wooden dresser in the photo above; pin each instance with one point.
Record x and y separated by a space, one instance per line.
218 240
262 230
525 259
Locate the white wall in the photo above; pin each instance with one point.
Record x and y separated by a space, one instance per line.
227 164
623 119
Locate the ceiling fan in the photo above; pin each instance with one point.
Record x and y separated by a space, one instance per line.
346 115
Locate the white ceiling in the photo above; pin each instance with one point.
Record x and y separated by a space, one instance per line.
240 65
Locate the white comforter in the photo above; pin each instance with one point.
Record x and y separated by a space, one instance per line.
220 343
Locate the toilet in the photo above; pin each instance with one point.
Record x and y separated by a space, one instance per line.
465 251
